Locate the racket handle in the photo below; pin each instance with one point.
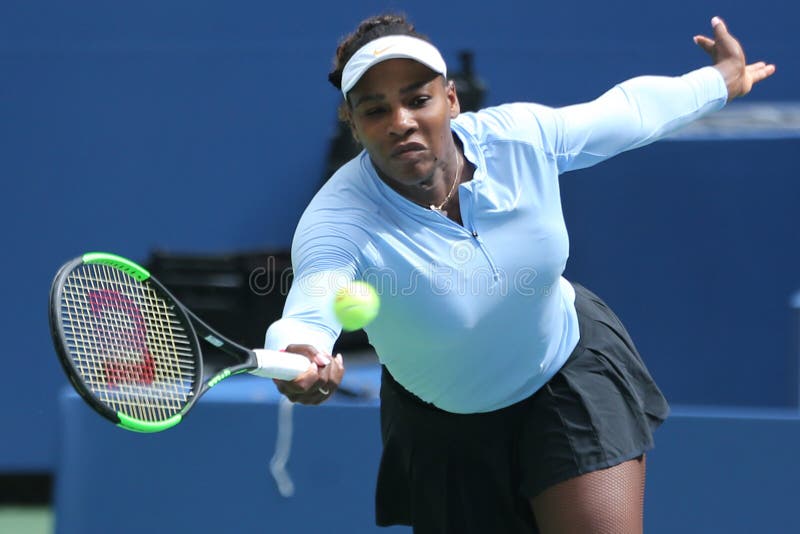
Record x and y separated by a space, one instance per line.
280 365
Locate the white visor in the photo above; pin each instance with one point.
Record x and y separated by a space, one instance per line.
390 47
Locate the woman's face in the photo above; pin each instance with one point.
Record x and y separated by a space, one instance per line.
400 112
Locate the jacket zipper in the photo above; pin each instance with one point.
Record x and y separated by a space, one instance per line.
473 233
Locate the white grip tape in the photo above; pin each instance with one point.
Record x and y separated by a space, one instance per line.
280 365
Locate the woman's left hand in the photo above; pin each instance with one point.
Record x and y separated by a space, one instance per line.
728 57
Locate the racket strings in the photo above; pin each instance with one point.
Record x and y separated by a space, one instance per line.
127 343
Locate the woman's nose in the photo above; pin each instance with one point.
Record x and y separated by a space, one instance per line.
402 121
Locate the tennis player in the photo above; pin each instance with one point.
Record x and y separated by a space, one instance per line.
512 400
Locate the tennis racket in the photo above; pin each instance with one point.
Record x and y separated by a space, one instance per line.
133 352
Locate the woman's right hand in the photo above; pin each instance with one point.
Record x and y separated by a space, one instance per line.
316 385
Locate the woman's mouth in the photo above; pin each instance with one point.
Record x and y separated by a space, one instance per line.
407 150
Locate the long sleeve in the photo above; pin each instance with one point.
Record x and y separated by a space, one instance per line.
326 255
633 114
308 315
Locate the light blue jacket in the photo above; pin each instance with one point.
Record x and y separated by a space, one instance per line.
476 317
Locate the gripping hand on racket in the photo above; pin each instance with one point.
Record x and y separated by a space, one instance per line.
316 385
728 57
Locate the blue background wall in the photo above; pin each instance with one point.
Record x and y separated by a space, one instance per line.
696 244
203 126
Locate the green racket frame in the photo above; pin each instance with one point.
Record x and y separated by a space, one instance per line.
236 359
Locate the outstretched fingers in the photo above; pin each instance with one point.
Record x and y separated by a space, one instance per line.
705 43
760 71
719 27
728 57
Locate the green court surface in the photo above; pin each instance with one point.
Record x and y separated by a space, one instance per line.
26 520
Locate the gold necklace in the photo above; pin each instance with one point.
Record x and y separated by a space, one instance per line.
456 181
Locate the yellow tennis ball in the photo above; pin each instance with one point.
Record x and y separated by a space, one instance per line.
356 305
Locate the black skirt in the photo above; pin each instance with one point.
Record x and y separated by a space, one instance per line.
475 473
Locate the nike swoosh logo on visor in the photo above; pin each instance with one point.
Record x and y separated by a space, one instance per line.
380 51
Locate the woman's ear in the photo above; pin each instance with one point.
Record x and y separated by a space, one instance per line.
346 115
353 132
452 98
